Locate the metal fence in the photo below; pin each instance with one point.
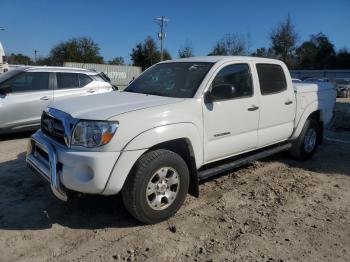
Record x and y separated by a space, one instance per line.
330 74
119 75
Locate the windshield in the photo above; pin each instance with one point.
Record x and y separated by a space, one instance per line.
8 75
178 79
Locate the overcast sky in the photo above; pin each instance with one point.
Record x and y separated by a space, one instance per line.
118 25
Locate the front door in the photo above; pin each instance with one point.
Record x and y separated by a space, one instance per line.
27 95
231 126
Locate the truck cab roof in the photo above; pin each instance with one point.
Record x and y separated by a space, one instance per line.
215 59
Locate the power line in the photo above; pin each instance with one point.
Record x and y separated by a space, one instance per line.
161 35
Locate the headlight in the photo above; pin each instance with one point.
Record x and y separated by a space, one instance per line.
93 133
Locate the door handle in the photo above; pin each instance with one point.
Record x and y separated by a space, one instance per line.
288 102
91 91
45 98
253 108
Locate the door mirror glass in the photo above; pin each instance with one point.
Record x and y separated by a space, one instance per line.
223 92
5 89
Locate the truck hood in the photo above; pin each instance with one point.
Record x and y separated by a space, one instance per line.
106 105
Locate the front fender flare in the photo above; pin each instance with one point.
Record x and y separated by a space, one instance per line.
157 135
147 139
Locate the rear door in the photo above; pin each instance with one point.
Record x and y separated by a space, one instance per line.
69 85
277 104
28 94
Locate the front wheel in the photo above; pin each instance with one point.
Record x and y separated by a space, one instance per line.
156 187
305 145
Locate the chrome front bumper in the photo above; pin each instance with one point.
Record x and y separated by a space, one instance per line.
46 165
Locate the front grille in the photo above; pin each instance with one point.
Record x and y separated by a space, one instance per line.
52 127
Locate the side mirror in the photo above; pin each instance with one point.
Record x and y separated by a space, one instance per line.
222 92
4 90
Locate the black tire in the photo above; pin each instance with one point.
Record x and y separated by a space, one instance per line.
134 189
299 149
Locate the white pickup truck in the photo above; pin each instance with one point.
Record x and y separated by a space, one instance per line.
180 122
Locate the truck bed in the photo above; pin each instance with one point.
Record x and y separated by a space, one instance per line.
312 87
321 94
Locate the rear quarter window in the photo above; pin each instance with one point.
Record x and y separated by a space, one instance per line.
271 78
84 80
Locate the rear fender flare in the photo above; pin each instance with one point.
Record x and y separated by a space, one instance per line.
315 106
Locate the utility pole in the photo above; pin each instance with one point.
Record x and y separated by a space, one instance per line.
161 35
35 55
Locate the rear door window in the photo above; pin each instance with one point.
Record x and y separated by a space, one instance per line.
67 80
271 78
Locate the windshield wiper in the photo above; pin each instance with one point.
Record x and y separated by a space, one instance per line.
145 93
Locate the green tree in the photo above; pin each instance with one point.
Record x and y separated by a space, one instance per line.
186 51
283 41
306 54
82 49
166 55
263 52
325 55
117 61
231 44
343 59
44 61
146 53
19 59
316 53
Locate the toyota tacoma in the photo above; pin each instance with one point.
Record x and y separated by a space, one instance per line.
180 122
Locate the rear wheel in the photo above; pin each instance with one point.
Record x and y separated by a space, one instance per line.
157 186
305 145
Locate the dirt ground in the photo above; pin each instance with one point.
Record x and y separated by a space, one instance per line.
273 210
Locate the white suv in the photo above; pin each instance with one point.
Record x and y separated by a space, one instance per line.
25 92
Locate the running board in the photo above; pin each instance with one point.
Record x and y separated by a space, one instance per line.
241 161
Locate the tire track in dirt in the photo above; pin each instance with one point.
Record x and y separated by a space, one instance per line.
211 194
